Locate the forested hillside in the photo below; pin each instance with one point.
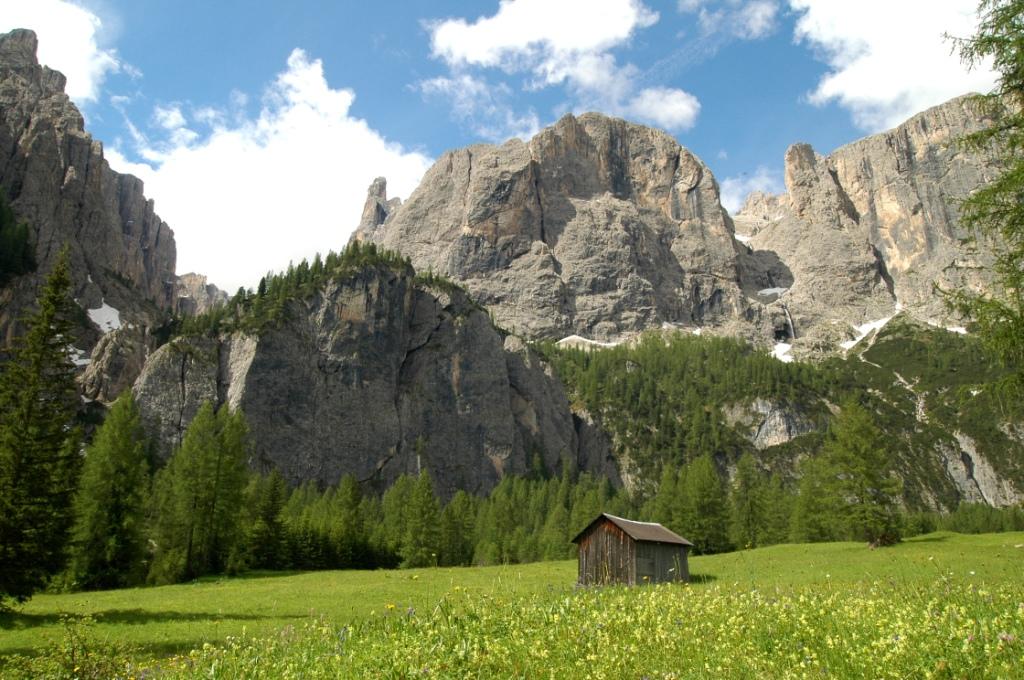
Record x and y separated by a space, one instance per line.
667 400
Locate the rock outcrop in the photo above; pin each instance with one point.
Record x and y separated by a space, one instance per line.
868 230
596 227
601 228
196 295
53 172
768 423
376 375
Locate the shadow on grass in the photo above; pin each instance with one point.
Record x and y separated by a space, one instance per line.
11 620
250 576
138 651
927 539
702 578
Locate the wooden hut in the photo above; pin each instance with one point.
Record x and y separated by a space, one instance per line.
617 550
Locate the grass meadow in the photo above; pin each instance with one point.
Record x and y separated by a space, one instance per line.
942 605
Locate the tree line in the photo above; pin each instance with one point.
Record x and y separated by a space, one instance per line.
251 310
115 517
17 255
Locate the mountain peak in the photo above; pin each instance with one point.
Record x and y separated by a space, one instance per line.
18 48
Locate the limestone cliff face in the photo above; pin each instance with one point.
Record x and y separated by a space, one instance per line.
601 228
195 295
596 226
768 423
376 376
55 176
874 224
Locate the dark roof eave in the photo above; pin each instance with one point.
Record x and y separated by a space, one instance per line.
643 532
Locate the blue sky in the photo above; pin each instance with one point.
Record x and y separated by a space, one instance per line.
257 125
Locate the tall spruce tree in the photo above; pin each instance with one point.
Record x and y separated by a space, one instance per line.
996 211
458 520
348 532
16 256
747 504
707 507
108 541
422 532
197 498
265 543
39 440
816 511
389 533
778 511
662 506
863 476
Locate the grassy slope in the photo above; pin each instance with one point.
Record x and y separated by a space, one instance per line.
165 620
172 619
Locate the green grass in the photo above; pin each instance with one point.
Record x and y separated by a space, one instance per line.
172 619
922 559
836 609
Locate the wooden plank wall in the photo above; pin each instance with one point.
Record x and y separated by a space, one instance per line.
607 555
661 562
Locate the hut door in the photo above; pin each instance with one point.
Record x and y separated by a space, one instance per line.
645 563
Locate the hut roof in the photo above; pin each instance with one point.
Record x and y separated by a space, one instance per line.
638 531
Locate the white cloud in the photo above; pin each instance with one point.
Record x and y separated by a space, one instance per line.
756 19
252 194
172 120
567 43
67 43
525 29
735 190
745 19
169 118
483 106
889 60
667 107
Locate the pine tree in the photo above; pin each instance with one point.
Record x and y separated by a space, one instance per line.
39 440
707 505
816 509
108 541
348 532
422 536
458 520
265 539
554 539
389 534
747 505
16 256
778 512
858 452
996 211
198 498
662 505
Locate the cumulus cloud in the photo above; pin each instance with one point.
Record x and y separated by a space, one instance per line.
486 108
527 30
884 71
668 107
744 19
68 42
247 196
735 190
567 43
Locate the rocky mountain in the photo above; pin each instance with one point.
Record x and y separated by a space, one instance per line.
196 295
873 227
596 227
57 181
669 398
594 230
377 374
600 228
